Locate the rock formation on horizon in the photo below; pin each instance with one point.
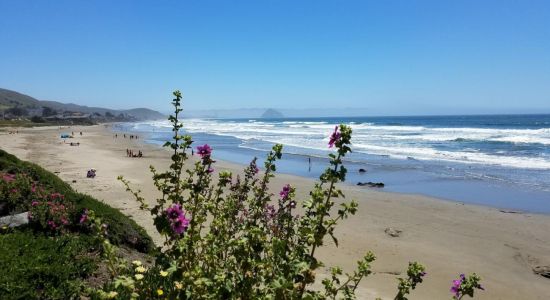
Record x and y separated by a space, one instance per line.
272 114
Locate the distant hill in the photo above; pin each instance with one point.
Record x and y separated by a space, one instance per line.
144 114
10 100
270 113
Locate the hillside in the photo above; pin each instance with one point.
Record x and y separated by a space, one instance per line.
27 106
9 99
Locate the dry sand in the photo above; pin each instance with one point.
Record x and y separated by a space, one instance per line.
449 238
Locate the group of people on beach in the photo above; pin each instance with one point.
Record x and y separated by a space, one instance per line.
131 136
130 153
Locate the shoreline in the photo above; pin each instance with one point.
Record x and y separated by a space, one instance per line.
462 182
448 237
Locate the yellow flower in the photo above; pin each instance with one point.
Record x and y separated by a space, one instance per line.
137 262
141 269
179 285
139 276
112 295
160 292
163 273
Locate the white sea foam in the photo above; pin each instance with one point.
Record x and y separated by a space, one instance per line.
396 141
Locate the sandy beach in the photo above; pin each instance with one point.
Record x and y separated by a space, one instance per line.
449 238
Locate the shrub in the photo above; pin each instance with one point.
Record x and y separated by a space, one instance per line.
52 213
231 238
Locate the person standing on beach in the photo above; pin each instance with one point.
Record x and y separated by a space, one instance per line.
309 162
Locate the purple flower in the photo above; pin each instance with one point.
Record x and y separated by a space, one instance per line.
284 192
175 211
204 151
292 204
334 137
210 170
180 225
455 288
177 219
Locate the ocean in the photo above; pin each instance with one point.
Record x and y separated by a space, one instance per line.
501 161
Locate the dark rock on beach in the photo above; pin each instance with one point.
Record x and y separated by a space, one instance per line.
393 232
543 271
362 170
371 184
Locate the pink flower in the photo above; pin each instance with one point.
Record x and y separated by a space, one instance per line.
180 225
34 203
177 219
8 177
204 151
52 224
285 192
175 211
334 137
455 288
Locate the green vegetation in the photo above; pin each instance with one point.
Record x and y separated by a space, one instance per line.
52 256
35 266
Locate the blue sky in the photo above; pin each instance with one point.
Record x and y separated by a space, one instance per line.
391 57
